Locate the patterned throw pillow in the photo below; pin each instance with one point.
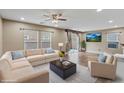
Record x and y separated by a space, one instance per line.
102 58
49 50
32 52
17 54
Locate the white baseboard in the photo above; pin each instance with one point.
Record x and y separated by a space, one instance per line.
95 52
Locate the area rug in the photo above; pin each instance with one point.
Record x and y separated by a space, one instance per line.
81 76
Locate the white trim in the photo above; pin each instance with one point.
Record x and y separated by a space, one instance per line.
95 52
37 39
50 40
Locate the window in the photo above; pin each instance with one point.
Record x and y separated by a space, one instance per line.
112 44
30 39
112 39
45 39
37 39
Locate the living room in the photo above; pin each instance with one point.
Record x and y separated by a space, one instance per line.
26 33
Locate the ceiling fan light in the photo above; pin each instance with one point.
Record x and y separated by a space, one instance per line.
55 21
99 10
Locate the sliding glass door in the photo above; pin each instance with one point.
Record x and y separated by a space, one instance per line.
75 41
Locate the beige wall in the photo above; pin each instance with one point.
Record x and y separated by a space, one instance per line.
97 46
1 38
13 37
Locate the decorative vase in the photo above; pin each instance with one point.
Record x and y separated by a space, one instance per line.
61 59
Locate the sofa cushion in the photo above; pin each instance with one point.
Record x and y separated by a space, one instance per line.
32 52
49 50
20 63
17 54
35 58
52 55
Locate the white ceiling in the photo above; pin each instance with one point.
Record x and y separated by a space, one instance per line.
77 19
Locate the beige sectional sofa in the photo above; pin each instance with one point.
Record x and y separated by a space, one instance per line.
38 56
21 70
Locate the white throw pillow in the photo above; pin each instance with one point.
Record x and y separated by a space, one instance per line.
109 59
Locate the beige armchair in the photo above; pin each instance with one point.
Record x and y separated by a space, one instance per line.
104 70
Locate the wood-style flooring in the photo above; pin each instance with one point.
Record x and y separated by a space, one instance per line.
81 58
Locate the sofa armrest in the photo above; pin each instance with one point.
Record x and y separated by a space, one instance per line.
37 77
56 51
5 65
89 64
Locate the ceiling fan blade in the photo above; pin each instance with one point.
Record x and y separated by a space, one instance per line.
46 15
47 19
62 19
60 15
42 22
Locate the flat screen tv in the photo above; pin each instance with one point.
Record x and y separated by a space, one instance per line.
94 37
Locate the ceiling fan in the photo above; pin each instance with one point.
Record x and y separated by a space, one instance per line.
55 17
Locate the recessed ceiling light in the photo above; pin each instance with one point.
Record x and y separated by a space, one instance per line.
99 10
115 26
110 21
56 25
22 18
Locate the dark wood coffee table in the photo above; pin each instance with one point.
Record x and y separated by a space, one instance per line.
62 70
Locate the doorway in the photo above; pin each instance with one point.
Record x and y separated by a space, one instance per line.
75 42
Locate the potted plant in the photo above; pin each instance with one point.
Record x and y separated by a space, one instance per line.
83 45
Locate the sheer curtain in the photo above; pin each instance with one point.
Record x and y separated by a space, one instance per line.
69 40
73 40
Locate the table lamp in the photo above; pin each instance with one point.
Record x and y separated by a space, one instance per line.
60 45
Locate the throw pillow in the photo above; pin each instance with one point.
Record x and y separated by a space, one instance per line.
17 54
32 52
102 58
49 50
109 59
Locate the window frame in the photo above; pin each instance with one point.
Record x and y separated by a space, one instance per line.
38 40
116 40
